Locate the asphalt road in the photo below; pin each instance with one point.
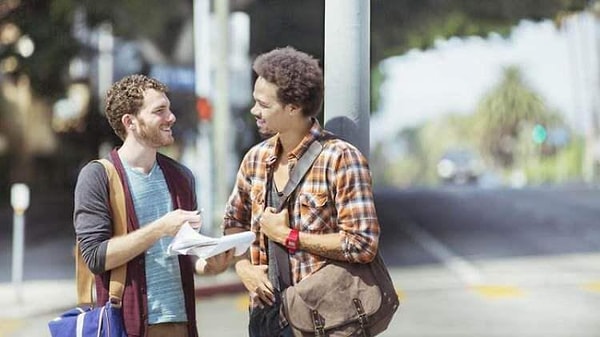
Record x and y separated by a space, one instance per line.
487 224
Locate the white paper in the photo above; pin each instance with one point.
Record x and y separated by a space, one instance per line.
188 241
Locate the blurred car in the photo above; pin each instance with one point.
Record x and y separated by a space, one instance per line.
459 167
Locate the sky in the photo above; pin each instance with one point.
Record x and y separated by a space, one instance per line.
452 77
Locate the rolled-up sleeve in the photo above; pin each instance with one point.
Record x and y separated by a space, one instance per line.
238 209
91 215
357 218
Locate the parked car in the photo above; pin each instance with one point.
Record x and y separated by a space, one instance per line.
459 167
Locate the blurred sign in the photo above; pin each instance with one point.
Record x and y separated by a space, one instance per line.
176 78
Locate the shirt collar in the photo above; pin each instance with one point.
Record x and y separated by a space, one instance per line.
313 134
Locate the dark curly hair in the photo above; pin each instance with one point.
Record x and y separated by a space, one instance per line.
297 75
126 96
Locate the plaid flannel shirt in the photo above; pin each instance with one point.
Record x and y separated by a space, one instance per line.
334 196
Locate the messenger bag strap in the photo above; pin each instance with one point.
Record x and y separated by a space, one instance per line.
84 277
276 250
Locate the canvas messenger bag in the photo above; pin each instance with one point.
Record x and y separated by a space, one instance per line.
340 299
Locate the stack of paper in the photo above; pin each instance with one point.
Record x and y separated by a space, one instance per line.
189 242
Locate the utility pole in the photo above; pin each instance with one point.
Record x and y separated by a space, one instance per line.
592 138
222 122
202 72
347 70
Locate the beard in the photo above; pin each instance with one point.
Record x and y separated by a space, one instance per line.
153 136
266 133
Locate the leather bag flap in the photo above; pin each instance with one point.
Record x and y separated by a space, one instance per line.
331 291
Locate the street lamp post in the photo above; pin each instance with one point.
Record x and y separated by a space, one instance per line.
19 200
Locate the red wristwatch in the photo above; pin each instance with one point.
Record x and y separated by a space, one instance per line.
292 241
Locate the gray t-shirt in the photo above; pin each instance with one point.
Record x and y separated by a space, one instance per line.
151 200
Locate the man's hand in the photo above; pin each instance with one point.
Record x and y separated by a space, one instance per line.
256 281
215 264
275 225
171 222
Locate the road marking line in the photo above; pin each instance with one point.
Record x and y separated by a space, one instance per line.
8 326
401 294
243 302
497 291
592 286
465 270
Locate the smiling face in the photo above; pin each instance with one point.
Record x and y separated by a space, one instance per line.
152 125
271 116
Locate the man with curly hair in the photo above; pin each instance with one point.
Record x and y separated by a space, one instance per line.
158 299
330 216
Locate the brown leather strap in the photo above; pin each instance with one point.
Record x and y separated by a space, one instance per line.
83 276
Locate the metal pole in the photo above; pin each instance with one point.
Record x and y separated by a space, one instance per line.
347 70
19 200
222 119
203 162
105 60
17 253
595 111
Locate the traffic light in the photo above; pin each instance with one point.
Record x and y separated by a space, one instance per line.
539 134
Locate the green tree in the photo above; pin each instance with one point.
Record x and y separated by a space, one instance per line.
404 24
50 26
508 113
396 25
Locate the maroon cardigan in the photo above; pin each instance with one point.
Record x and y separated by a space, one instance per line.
135 307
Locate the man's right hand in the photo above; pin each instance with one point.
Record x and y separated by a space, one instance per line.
256 281
171 222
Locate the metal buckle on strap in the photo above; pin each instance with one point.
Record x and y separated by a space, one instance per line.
116 302
363 320
319 324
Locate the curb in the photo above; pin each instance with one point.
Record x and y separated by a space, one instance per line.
226 283
219 289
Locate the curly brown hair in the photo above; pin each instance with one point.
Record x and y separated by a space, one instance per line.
297 75
126 96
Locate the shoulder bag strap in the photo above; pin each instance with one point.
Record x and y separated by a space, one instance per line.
279 252
84 278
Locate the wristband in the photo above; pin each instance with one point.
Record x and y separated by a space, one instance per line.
292 241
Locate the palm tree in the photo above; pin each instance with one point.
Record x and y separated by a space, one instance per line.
506 114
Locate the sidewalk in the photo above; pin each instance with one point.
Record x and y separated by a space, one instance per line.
49 296
504 279
524 296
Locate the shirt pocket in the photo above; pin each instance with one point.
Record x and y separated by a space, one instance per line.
315 212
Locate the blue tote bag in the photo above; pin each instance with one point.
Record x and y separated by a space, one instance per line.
105 321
